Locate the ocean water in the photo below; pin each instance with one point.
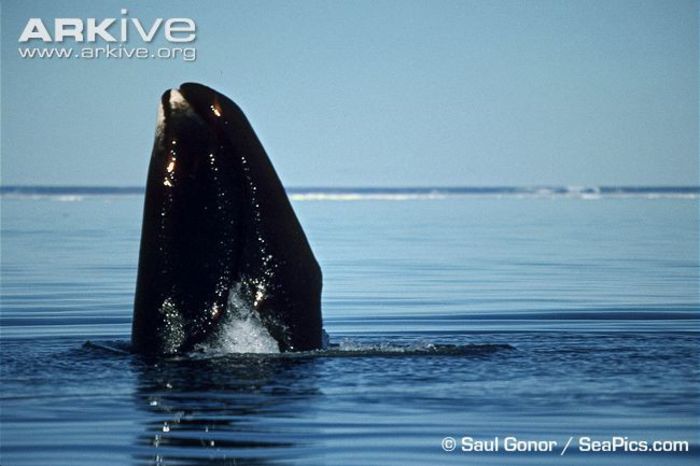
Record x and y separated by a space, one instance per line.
541 314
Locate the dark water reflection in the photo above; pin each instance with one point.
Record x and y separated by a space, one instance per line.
205 411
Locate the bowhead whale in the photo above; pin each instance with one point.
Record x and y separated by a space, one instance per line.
219 235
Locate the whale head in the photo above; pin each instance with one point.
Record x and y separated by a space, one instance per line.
219 237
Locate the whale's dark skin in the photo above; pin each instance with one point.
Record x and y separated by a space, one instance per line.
218 227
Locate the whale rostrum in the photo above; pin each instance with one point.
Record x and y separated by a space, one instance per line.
220 239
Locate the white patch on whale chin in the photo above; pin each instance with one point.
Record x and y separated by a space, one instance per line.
160 120
178 103
242 331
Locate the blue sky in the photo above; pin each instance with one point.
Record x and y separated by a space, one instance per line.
371 93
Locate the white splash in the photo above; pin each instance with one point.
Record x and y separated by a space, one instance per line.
173 326
242 330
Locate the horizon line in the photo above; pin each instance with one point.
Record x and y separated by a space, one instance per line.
364 187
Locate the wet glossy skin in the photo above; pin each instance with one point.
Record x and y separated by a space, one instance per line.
217 224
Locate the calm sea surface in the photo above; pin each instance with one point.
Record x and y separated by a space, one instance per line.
541 316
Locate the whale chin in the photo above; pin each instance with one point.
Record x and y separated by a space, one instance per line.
220 240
